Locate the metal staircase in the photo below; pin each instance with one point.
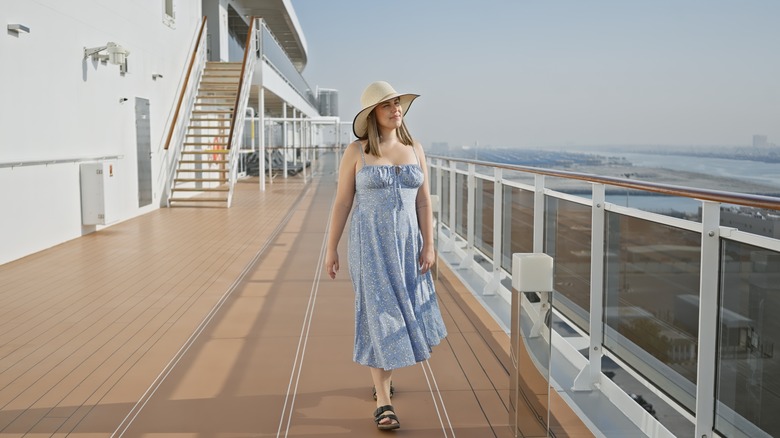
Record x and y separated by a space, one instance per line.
204 165
207 125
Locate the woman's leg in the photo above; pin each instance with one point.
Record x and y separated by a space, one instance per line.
382 379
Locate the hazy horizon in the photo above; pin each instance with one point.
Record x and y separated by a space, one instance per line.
558 74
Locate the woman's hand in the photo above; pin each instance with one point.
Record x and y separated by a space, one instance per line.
332 263
427 259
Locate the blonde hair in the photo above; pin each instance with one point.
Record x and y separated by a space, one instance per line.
372 135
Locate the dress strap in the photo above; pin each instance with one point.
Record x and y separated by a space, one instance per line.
362 154
414 149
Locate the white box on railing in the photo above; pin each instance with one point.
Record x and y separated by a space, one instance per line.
532 272
99 193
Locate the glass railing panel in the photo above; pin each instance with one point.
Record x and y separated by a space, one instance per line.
567 240
518 222
278 58
652 301
674 206
433 182
461 201
748 379
758 221
445 198
483 222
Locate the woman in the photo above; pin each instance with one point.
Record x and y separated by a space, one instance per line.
397 317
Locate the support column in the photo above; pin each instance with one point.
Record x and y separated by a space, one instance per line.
261 140
284 140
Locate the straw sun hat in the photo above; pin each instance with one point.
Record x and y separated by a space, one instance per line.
373 95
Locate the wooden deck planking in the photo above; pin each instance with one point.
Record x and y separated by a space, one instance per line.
90 324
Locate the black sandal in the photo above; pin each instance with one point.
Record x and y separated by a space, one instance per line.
379 415
392 391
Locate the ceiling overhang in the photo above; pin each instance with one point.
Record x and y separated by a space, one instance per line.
280 18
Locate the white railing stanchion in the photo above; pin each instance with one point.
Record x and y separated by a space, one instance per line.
708 319
239 109
449 245
532 273
470 216
498 198
591 374
538 213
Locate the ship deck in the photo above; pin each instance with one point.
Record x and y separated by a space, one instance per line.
212 322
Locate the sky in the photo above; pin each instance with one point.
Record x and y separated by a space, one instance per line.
557 73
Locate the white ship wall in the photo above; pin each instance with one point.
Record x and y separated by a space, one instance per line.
57 105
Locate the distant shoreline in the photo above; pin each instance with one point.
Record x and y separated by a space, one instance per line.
609 162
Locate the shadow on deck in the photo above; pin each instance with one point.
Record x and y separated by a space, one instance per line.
220 322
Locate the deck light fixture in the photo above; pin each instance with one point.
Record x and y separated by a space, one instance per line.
18 28
115 54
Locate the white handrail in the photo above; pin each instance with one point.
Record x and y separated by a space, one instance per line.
13 164
239 111
180 124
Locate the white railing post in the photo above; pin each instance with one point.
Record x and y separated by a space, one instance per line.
531 273
470 217
591 374
498 195
284 140
239 111
538 213
708 319
261 107
261 127
450 244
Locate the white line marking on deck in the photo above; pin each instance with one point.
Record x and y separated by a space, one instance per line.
426 372
139 405
302 342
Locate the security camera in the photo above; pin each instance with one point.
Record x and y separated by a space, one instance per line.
116 53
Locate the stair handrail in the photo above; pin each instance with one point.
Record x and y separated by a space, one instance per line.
242 100
185 105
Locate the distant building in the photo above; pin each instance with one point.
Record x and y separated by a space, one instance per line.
756 221
760 141
328 99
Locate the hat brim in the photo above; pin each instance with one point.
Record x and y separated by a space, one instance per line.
360 123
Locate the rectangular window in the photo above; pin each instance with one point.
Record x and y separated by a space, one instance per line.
169 13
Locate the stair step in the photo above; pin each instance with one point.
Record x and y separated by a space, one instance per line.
217 87
212 112
221 74
207 152
201 189
201 144
217 65
217 97
230 104
221 119
208 127
202 170
208 135
218 90
198 199
203 162
219 180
